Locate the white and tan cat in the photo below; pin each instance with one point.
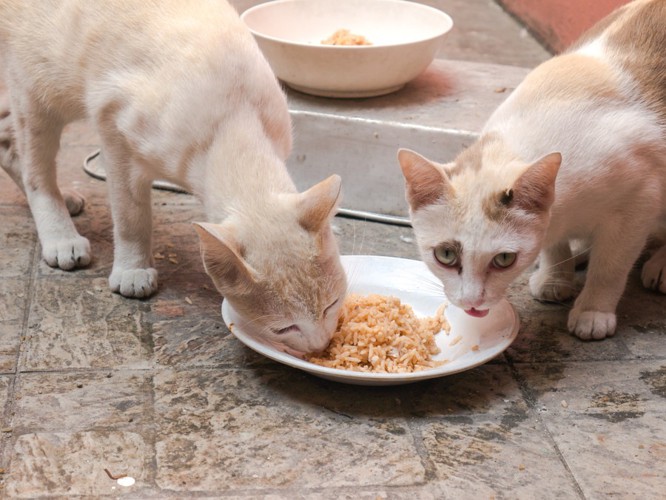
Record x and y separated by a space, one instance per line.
177 90
577 151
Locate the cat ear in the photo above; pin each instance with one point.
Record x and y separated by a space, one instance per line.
222 259
535 188
319 203
425 183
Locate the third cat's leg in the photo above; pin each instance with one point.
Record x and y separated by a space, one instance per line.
37 137
653 274
133 274
616 247
9 159
554 280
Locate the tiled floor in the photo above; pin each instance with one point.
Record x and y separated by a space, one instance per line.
161 391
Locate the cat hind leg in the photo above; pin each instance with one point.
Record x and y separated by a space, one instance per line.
553 281
9 160
30 160
73 201
653 274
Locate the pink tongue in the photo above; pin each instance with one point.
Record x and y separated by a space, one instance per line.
476 312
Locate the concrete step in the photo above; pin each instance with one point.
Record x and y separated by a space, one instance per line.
437 114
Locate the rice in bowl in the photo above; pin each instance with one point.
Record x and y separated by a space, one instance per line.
378 333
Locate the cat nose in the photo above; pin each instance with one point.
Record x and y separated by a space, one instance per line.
319 344
469 303
319 338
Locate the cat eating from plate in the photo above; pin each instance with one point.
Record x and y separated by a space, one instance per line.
177 90
576 153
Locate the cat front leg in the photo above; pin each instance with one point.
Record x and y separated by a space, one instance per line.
553 281
133 274
33 168
615 248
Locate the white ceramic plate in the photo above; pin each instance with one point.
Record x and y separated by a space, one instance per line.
414 284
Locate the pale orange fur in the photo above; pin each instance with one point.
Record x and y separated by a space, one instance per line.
576 153
177 90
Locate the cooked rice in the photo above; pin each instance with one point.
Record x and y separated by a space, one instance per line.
380 334
345 37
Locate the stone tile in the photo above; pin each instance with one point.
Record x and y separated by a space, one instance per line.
14 299
610 391
607 420
543 335
490 389
10 338
614 459
6 382
642 320
254 429
483 32
486 458
199 339
10 194
18 240
71 464
79 323
53 402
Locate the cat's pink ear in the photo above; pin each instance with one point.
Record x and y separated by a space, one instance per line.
425 183
535 189
319 203
223 261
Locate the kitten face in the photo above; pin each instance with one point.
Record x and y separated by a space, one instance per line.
476 260
294 304
477 232
281 270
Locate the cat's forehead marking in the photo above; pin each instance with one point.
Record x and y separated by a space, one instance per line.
471 159
496 205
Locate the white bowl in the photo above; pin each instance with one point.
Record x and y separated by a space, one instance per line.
405 37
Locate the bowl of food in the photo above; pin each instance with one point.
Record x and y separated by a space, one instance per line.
347 48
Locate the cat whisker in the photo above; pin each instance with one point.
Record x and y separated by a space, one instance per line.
573 257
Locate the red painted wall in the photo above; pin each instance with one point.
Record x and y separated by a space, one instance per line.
558 23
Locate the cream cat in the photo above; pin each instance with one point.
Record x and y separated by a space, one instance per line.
178 90
578 151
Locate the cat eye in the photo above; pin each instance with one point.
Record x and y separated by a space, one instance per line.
283 331
446 255
328 309
504 260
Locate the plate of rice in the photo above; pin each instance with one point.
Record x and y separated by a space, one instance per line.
396 327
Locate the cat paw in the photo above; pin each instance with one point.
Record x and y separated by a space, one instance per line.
653 274
550 289
134 283
74 202
67 254
592 325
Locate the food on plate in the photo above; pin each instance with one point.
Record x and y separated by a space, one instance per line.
378 333
345 37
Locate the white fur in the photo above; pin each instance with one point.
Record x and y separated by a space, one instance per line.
178 90
610 191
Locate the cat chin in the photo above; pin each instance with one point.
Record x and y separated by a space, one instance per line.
288 350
